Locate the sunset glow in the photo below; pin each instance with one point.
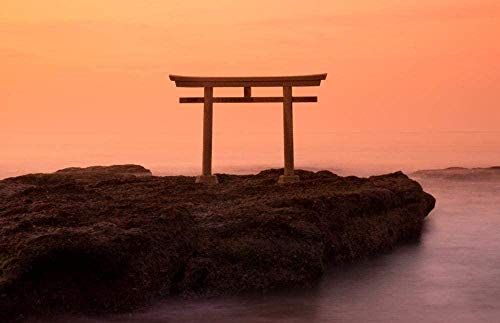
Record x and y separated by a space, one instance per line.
102 66
421 65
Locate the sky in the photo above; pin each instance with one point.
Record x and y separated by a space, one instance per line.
103 65
86 82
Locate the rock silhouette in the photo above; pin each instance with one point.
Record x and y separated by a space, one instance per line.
103 239
460 174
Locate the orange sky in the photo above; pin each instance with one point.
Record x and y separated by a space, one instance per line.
103 65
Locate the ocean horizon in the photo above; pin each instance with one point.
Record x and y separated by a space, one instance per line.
360 153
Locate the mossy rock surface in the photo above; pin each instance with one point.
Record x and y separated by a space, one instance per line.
107 240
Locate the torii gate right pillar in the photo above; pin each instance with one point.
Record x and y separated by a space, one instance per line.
289 173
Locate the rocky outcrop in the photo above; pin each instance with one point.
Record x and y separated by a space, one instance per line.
98 171
87 241
461 174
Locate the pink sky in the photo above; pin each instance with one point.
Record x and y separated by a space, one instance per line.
102 66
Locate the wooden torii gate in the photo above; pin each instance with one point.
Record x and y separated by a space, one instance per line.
209 83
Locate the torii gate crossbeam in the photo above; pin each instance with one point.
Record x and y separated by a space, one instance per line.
286 82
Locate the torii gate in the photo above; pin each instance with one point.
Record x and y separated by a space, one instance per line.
286 82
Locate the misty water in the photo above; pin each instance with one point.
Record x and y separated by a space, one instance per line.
345 153
451 275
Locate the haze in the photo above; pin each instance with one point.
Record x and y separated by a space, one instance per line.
102 67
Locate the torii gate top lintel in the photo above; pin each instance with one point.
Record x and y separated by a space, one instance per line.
286 82
257 81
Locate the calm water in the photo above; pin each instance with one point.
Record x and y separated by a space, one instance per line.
452 275
358 153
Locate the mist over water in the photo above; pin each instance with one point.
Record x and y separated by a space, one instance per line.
451 275
345 153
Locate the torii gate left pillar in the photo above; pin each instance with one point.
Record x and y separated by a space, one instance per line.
206 164
286 82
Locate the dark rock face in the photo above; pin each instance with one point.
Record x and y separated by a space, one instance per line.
77 241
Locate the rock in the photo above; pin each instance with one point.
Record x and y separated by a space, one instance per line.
461 174
93 240
115 170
